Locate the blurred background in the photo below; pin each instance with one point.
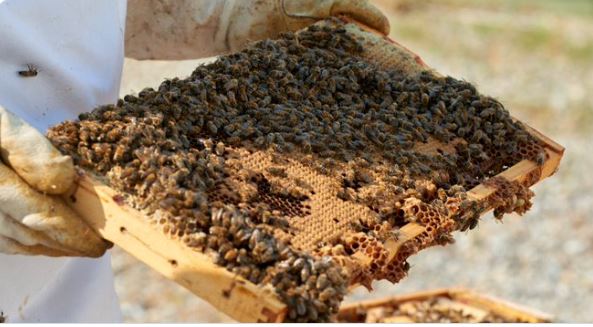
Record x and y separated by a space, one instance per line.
536 57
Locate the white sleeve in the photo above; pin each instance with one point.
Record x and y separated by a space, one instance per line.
192 29
77 48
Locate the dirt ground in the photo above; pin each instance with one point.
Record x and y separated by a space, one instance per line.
536 57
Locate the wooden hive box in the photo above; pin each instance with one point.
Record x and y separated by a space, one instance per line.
476 305
104 209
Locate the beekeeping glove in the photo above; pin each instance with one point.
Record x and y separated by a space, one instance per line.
33 218
189 29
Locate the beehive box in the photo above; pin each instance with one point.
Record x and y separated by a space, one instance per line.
443 305
325 227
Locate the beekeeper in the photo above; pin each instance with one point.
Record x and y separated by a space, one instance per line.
59 58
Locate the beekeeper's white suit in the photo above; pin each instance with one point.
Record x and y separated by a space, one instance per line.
75 49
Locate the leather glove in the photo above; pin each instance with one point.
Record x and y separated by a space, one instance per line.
190 29
33 218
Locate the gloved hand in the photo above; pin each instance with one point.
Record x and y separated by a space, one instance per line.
33 219
189 29
295 13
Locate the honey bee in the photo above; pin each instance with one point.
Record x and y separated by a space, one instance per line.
541 158
212 127
470 222
31 71
322 282
327 293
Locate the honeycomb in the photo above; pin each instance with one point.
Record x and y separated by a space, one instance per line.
304 162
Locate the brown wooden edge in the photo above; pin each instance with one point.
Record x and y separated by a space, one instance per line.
103 209
508 310
349 311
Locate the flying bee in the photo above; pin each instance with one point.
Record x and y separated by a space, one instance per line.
31 71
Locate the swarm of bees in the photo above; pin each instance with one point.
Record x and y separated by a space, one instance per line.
190 155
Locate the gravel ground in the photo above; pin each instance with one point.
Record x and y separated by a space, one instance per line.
535 56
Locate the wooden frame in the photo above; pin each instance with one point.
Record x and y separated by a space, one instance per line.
459 297
243 301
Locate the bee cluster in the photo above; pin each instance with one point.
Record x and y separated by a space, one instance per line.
509 197
287 160
431 310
